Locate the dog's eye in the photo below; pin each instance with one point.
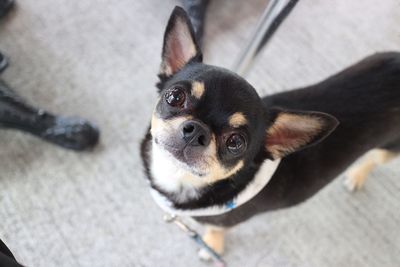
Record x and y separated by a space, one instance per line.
236 144
175 97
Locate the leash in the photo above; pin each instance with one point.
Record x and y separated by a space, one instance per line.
218 261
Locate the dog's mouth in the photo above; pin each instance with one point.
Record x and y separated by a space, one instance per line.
187 158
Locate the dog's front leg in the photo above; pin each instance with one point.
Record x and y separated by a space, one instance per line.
214 238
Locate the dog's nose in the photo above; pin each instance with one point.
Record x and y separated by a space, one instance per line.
195 133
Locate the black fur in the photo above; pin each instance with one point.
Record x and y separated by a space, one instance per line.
366 100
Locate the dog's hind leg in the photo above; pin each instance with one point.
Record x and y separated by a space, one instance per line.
214 238
356 174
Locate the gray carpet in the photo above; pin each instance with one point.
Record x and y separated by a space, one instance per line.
60 208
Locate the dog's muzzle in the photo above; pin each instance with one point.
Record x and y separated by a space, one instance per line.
195 133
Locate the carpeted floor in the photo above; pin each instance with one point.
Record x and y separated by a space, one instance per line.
99 61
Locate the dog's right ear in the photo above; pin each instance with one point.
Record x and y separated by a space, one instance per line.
180 46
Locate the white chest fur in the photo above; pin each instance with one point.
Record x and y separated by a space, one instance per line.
168 174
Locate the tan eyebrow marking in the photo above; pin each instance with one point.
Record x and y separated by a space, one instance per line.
197 89
237 120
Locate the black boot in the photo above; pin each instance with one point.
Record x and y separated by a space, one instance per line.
5 6
68 132
196 10
3 62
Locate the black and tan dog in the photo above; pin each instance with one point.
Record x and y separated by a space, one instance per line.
218 152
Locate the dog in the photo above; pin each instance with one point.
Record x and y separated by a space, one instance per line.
217 152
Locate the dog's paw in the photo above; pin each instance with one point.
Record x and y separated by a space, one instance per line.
354 180
349 184
204 255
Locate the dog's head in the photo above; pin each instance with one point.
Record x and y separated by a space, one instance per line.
209 123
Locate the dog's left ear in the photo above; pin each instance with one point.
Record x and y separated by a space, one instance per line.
292 131
180 46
